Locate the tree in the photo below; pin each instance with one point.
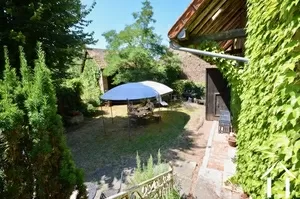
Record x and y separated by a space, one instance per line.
58 24
136 53
35 161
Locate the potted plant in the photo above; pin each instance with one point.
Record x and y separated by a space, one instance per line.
232 139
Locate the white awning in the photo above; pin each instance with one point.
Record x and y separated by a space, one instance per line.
159 87
130 91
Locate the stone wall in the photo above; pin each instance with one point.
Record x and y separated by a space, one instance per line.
192 66
103 83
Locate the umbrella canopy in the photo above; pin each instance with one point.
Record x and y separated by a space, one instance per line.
159 87
130 91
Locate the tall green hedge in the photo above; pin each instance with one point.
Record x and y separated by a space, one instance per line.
269 121
35 161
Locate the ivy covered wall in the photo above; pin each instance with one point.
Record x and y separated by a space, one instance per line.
265 98
232 71
269 120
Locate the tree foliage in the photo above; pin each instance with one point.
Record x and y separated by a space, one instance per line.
80 91
89 80
58 24
136 52
35 161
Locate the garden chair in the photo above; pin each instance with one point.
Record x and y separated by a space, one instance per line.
225 122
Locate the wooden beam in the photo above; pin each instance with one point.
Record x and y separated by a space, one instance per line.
221 36
228 44
228 15
234 51
210 13
235 21
194 20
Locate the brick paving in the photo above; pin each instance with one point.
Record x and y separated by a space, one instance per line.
219 167
219 152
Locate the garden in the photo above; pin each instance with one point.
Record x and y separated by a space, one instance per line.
44 82
104 153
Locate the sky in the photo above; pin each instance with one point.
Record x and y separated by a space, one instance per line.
115 14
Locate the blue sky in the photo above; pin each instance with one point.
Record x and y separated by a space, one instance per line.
115 14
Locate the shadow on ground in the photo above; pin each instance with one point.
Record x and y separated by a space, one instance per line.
103 148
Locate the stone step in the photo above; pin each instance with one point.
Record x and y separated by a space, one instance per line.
229 167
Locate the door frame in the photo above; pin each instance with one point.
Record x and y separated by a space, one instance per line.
215 103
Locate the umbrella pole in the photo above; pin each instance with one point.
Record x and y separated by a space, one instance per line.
103 120
159 105
171 102
128 119
111 113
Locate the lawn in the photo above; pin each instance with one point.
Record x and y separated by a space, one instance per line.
106 153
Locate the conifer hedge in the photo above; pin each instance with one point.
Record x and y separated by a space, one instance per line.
34 159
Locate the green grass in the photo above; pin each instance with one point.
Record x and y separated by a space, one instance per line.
108 154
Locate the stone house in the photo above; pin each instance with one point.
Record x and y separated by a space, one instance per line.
223 22
193 68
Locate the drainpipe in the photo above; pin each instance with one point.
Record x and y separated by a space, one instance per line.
206 53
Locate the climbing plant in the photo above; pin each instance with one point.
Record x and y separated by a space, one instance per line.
269 122
266 96
231 70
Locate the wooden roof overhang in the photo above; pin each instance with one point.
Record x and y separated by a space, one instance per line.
220 20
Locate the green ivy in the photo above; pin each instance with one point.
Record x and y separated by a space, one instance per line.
232 71
269 121
266 97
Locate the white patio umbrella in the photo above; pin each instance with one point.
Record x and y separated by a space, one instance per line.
127 92
160 88
130 91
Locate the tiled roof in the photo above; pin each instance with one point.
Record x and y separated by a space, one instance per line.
98 55
205 17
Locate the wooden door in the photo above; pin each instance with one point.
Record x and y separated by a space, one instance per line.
217 94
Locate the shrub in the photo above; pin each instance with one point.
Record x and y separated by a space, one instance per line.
81 90
35 160
89 79
68 95
173 194
146 172
187 88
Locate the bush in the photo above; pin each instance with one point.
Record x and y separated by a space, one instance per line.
174 194
68 95
89 79
148 171
187 88
35 160
80 91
